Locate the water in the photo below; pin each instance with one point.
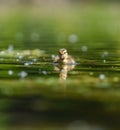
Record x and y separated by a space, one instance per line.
35 92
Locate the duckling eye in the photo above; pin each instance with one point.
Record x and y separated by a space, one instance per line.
64 52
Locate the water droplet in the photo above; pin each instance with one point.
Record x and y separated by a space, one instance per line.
31 62
91 73
44 72
17 60
34 60
22 74
35 36
73 38
102 76
3 52
105 54
26 64
53 56
17 53
104 61
84 48
20 57
10 72
10 48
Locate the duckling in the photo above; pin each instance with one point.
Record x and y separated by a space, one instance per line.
63 57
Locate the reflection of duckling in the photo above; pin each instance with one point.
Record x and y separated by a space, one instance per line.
63 57
63 70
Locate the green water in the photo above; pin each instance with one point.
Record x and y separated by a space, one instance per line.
33 95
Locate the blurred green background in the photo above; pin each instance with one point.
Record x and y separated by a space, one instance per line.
39 24
31 96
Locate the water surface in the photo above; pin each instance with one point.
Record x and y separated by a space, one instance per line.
33 94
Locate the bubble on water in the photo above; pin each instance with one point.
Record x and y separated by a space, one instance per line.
31 62
102 76
20 57
10 48
19 36
73 38
23 74
35 36
34 60
105 54
17 60
17 53
84 48
10 72
3 52
44 72
53 56
26 63
104 61
91 73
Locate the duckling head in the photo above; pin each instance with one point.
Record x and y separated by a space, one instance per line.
63 54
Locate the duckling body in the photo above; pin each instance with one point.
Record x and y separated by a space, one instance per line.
64 64
63 57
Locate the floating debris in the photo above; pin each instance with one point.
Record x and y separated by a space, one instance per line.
37 52
10 52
